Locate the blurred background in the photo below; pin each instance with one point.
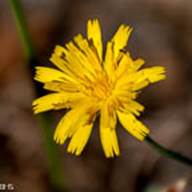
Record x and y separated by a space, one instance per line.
162 36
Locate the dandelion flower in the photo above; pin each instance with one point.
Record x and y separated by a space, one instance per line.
90 84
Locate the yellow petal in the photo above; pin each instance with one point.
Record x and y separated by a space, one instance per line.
62 87
78 61
152 74
109 65
109 142
94 34
118 42
120 39
131 106
79 139
58 58
133 126
82 115
138 63
146 76
64 128
140 79
46 74
108 133
92 60
107 117
55 101
126 65
48 102
139 85
72 61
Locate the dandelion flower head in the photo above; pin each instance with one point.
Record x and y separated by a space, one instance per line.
89 84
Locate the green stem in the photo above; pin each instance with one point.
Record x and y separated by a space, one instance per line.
22 27
55 168
168 153
45 121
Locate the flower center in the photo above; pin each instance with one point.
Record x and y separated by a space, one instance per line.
100 89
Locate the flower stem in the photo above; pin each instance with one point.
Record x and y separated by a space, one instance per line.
54 165
168 153
22 27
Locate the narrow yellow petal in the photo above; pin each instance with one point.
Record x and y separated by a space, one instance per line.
131 106
109 142
138 63
126 65
46 74
108 133
107 117
152 74
140 79
114 48
146 76
63 59
58 58
82 115
109 64
78 61
79 139
118 42
63 129
55 101
133 126
92 60
94 34
48 102
62 87
120 39
139 85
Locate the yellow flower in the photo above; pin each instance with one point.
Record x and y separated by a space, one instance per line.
88 84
